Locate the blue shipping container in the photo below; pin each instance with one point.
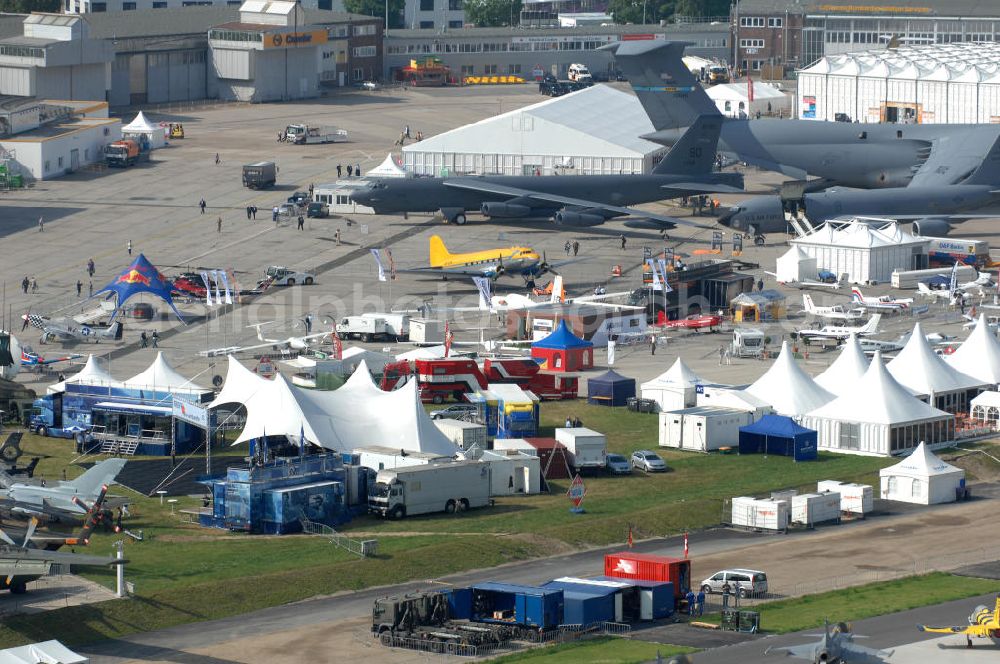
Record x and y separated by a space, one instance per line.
656 597
521 605
460 603
581 608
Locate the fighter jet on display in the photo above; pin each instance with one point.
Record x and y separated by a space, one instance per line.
290 343
835 646
835 312
865 156
839 333
62 499
582 200
983 624
67 329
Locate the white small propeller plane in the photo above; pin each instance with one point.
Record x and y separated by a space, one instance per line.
836 312
291 343
839 333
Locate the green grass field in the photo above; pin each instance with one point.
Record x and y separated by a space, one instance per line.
604 650
180 564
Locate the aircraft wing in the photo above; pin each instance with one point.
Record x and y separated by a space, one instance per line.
806 651
861 654
516 192
12 566
215 352
704 187
970 630
65 358
450 271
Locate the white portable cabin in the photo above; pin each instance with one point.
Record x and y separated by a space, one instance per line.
464 434
513 472
703 428
812 508
426 331
587 448
337 196
382 458
921 478
854 498
761 513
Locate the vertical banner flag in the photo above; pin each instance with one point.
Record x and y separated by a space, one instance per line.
392 264
378 262
485 297
217 278
338 347
611 352
685 545
208 289
749 91
663 275
302 441
629 541
225 283
448 337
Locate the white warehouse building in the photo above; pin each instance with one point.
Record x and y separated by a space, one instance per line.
594 131
956 83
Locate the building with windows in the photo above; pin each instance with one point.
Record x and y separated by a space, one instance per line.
433 14
530 53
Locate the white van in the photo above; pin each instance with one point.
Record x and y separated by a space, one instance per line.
580 73
744 582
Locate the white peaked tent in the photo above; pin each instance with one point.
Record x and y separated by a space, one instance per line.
843 375
795 265
789 389
879 417
921 478
388 169
140 125
925 373
358 414
162 377
94 372
673 389
979 356
45 652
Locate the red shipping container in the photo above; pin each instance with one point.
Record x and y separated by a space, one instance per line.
647 567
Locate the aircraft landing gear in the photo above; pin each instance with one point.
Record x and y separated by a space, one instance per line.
758 240
454 216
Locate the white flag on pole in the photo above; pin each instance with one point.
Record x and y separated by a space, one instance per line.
218 294
225 282
485 287
378 262
208 289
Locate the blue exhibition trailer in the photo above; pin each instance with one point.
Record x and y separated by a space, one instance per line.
777 434
514 604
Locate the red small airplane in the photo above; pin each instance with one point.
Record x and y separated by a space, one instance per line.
693 322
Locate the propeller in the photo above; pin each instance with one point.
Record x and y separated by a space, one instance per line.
500 269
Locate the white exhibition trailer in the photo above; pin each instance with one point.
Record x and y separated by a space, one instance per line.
703 428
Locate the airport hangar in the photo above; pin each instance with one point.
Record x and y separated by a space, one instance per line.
162 56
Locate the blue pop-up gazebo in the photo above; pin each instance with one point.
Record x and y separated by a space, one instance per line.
139 277
777 434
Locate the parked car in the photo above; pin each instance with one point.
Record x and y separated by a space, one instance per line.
299 198
745 582
283 276
318 210
616 464
552 88
649 462
458 411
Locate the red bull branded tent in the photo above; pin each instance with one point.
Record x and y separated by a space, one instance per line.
139 277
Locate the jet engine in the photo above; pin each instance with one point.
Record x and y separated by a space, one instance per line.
931 227
568 218
504 210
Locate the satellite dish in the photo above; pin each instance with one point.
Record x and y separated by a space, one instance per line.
217 380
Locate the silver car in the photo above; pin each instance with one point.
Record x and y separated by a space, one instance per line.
649 462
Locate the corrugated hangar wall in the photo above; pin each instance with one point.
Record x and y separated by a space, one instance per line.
159 77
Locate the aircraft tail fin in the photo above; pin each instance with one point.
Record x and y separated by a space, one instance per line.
662 82
694 153
114 332
88 485
872 325
857 295
807 303
438 252
558 291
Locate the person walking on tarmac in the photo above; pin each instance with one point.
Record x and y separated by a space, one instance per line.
336 237
302 223
79 288
25 283
201 204
576 247
623 240
690 602
701 602
143 339
90 268
156 339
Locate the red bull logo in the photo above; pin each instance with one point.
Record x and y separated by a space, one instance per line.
134 277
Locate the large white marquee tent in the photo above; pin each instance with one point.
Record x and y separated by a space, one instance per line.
159 376
358 414
942 83
921 478
594 131
918 368
789 389
878 417
843 375
979 356
866 250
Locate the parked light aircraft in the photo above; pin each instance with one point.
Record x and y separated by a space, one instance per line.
31 359
954 288
67 329
835 646
839 333
835 312
801 285
582 200
291 343
490 263
880 302
983 624
64 498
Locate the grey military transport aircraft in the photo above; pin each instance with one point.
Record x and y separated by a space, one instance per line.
581 200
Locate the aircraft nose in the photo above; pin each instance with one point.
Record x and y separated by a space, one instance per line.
729 218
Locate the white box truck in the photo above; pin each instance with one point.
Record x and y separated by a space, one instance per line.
303 133
371 326
437 487
588 449
809 509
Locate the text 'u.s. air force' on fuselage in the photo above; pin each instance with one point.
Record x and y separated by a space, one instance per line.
930 174
581 200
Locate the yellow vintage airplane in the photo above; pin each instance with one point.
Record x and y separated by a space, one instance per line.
490 263
983 624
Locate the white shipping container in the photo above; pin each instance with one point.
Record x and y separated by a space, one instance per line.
426 331
764 514
854 498
813 508
587 448
464 434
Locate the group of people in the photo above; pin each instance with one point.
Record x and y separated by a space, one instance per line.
695 603
573 247
147 340
351 170
573 422
405 134
29 283
701 204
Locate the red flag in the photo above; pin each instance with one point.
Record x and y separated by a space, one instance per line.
629 541
338 348
685 545
749 89
448 337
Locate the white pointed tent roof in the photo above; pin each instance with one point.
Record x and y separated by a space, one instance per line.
356 415
921 463
878 398
789 389
979 356
843 375
678 375
162 377
94 372
388 169
140 123
920 369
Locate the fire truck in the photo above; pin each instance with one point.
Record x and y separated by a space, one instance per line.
441 380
